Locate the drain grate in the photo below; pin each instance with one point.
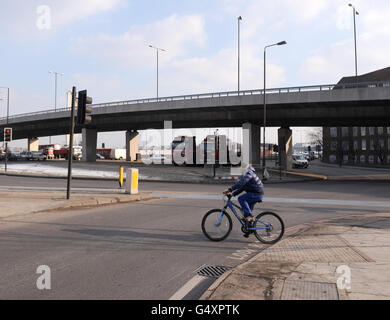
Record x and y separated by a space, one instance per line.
212 271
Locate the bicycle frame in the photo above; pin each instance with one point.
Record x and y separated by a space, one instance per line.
231 205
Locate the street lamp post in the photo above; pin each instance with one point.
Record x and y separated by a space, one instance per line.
265 98
55 92
157 51
7 121
239 19
355 13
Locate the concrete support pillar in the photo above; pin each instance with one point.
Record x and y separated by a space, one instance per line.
285 148
132 145
33 144
89 144
251 146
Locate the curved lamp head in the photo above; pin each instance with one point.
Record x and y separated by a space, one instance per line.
281 43
351 5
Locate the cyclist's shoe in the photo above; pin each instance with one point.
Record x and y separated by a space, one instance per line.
246 235
250 219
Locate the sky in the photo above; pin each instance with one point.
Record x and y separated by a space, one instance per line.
103 46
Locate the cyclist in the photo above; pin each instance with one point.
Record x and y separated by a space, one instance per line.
254 188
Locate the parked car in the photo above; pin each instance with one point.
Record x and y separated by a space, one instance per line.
99 157
14 156
32 156
300 161
26 156
39 156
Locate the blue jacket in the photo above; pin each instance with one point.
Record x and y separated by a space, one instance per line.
249 182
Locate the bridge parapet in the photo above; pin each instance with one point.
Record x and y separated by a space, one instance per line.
281 95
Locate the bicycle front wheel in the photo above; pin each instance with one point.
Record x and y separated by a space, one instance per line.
269 228
217 225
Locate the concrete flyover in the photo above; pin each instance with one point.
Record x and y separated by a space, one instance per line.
324 105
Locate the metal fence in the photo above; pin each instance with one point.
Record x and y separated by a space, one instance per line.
286 90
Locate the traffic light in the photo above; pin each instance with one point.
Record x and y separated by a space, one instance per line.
7 134
276 148
83 110
309 149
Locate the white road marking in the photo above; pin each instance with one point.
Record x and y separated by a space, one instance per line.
186 289
344 203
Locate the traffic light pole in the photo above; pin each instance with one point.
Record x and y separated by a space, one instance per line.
6 157
70 153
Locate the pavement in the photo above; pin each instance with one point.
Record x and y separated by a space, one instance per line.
148 173
29 202
340 259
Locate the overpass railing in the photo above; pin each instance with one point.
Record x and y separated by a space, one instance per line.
285 90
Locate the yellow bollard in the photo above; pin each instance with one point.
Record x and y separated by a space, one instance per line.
121 175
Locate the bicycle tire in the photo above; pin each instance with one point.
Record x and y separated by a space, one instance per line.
260 237
208 216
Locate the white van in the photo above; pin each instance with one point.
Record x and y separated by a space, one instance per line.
300 161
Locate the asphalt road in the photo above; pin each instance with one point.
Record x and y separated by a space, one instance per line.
149 250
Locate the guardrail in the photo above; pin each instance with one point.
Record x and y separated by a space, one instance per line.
327 87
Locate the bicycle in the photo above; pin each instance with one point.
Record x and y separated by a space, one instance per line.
217 224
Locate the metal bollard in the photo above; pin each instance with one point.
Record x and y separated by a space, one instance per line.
132 176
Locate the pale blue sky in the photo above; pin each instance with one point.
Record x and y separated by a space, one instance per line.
102 46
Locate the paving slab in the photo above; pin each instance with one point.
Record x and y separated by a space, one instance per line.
333 260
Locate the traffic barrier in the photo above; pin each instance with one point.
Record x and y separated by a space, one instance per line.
132 177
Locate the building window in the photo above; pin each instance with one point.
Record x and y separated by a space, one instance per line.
372 145
382 144
371 159
332 158
364 145
333 132
345 131
388 144
345 145
333 146
364 131
346 159
380 131
372 131
363 159
356 145
355 131
388 159
388 130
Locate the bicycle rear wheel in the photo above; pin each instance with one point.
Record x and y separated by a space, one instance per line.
269 228
217 225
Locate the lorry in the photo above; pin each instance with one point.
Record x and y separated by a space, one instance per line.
118 154
62 153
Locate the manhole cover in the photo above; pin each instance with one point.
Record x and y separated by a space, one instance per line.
302 290
212 271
